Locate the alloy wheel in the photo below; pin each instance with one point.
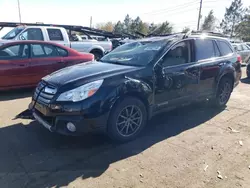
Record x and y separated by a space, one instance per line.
129 120
225 92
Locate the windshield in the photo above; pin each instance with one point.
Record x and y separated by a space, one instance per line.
13 33
136 53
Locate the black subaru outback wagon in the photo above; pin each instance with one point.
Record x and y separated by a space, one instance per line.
135 81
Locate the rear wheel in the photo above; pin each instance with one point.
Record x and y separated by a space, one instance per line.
248 72
224 91
127 119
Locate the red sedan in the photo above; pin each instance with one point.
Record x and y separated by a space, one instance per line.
24 63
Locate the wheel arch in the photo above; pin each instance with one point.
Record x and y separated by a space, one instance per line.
229 75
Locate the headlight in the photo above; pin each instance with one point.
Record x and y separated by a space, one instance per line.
81 93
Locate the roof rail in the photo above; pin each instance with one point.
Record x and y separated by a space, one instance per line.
209 33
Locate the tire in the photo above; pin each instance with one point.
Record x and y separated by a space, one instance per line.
97 54
223 92
248 72
123 130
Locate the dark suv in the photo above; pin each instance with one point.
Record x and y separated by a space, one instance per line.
134 82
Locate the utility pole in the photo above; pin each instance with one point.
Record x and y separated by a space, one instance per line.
90 25
19 11
199 16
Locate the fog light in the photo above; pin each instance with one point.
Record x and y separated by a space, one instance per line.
71 127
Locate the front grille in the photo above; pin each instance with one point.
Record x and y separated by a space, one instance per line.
47 93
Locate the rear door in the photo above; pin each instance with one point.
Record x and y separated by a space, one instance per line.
207 56
44 60
14 66
68 60
177 76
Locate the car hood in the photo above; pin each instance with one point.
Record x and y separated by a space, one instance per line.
87 72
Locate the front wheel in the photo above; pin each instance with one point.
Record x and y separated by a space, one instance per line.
127 119
223 93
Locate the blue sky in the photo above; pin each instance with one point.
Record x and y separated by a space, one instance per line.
180 13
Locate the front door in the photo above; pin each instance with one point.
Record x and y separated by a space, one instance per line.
177 76
14 66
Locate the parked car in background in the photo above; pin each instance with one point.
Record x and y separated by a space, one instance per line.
24 63
244 51
248 43
59 35
135 81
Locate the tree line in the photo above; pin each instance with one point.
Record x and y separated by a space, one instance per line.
132 26
236 23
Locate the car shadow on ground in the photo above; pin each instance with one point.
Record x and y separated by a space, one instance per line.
15 94
31 156
245 80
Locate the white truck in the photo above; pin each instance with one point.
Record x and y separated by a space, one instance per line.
58 35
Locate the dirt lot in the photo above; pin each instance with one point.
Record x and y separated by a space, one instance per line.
183 148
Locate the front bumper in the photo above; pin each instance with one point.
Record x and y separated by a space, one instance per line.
57 122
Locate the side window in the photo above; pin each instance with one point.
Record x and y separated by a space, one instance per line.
40 50
204 49
50 51
178 55
239 48
32 34
245 47
19 51
225 48
62 52
55 34
216 50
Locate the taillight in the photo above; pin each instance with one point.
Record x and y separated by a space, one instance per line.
239 58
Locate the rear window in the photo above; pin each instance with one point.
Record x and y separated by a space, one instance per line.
55 34
205 49
62 52
225 48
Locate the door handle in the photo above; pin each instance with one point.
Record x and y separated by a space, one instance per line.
60 62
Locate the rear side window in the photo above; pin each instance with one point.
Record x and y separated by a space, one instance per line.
55 34
205 49
225 48
62 52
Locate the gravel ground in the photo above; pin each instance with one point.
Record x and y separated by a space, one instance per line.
195 146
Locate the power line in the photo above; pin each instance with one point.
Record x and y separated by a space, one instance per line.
178 12
173 8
